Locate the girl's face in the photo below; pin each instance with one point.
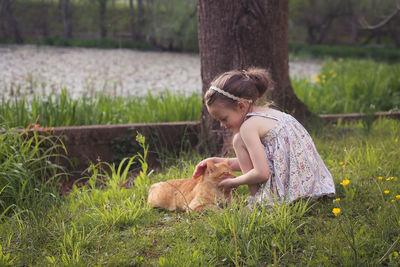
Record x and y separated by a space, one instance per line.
230 117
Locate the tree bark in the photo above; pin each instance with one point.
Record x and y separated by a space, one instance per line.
12 22
140 21
132 20
237 34
102 9
65 8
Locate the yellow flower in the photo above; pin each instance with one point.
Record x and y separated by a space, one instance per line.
345 182
341 163
398 196
380 177
393 200
344 166
386 192
336 211
316 79
396 140
337 199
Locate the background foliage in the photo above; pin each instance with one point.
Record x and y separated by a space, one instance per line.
172 25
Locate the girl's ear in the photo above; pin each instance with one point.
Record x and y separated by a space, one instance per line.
241 105
210 166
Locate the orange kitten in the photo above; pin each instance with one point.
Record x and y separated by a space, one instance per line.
192 194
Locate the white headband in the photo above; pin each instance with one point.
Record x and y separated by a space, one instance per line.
225 93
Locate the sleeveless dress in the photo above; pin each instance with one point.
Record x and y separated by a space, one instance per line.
296 169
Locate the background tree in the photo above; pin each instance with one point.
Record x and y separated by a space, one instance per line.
65 8
239 34
317 16
102 8
132 19
7 12
380 19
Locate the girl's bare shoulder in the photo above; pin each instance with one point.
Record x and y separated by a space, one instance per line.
259 123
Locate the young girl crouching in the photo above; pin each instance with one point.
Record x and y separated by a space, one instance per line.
273 150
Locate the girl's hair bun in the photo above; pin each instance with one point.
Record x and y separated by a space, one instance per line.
261 78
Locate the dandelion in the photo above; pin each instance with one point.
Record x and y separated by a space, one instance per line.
341 163
386 192
398 196
380 178
336 211
337 199
345 182
344 166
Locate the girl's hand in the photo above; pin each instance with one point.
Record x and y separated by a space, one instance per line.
201 168
227 184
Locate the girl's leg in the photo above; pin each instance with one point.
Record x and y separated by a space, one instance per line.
244 160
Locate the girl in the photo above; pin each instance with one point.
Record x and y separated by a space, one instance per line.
273 150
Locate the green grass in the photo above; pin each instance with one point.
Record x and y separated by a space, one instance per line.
29 169
63 110
105 224
349 85
105 43
305 51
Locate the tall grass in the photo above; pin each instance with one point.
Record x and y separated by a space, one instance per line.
63 110
28 169
347 86
109 223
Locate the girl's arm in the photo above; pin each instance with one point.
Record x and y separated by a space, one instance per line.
249 132
201 167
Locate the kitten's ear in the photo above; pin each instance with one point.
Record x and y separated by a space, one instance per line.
211 166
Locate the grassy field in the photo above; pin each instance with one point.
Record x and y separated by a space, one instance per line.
351 86
106 224
63 110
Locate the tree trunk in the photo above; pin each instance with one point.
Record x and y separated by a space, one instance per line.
113 20
237 34
140 21
102 9
43 19
12 22
65 8
393 34
3 30
132 20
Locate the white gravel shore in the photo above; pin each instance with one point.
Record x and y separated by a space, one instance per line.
46 70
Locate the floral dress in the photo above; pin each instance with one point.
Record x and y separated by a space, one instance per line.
296 168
